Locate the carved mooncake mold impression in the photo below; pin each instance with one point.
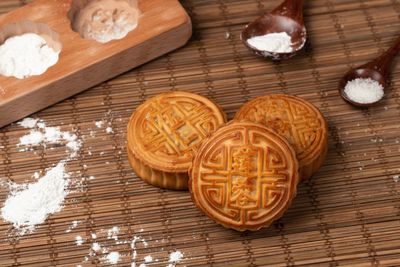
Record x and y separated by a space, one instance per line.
244 176
104 20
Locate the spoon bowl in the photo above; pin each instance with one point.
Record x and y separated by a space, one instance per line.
363 74
272 23
288 18
377 70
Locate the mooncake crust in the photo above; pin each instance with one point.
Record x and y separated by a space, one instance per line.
164 134
244 176
299 121
165 180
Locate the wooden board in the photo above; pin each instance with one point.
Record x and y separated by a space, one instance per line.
163 27
347 215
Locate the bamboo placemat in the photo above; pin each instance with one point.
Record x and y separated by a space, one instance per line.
347 215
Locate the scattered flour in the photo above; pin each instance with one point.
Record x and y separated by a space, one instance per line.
113 233
396 178
113 257
79 240
99 124
273 42
36 175
364 91
134 242
52 134
96 247
48 135
29 207
33 138
109 130
73 225
26 55
110 256
148 259
175 257
28 123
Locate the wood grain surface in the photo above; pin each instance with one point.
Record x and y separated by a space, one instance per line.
346 215
163 27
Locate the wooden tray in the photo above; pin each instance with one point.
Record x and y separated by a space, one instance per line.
163 27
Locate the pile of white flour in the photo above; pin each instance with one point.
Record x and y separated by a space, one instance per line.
364 90
26 55
32 205
29 205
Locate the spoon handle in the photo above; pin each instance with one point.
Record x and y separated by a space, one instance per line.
384 62
290 8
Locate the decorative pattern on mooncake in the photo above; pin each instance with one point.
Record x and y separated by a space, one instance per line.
302 124
244 176
164 134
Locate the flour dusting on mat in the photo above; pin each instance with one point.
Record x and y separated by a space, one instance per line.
109 130
99 124
113 233
96 247
109 254
148 259
28 123
175 257
113 257
79 240
41 134
26 55
29 207
73 225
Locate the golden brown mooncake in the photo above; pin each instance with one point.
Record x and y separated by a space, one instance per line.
244 176
301 123
165 132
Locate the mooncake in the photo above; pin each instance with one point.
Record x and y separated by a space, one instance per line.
244 176
301 123
164 133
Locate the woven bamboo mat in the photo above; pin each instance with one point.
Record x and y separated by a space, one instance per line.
347 215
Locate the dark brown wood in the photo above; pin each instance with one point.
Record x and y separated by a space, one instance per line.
287 17
292 9
383 63
378 70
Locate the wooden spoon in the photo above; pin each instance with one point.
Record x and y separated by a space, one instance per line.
287 17
378 70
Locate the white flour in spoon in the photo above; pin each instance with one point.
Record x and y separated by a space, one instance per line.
31 206
26 55
273 42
